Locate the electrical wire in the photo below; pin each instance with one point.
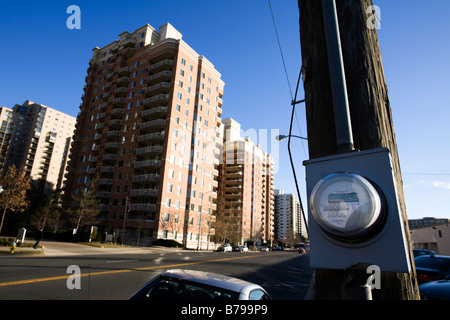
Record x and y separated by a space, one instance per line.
281 50
293 103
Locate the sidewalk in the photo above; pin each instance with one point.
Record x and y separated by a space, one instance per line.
58 249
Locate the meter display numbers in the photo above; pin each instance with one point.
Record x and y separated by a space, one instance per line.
345 204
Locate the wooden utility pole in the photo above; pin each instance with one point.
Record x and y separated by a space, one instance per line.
370 112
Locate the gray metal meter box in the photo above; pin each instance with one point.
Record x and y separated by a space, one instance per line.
354 215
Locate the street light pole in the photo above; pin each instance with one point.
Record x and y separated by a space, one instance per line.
124 220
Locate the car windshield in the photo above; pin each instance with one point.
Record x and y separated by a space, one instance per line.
166 288
433 263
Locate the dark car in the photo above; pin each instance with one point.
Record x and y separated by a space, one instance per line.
423 252
435 290
432 268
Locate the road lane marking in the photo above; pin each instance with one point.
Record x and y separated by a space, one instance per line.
118 261
19 282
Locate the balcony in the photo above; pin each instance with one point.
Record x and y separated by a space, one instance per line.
103 207
103 194
162 87
145 178
166 64
105 96
109 157
147 164
119 102
153 125
104 182
112 145
159 77
117 113
99 126
144 193
115 123
158 99
129 42
95 148
154 113
125 71
127 52
233 181
233 174
109 76
143 207
107 169
236 195
123 81
149 150
150 137
113 134
233 167
121 92
107 86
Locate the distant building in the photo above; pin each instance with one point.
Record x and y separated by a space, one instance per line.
289 223
436 238
426 222
6 128
245 200
37 139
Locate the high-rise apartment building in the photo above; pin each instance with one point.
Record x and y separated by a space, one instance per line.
7 125
147 133
37 139
289 225
245 199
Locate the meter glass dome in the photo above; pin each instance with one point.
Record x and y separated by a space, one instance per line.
346 206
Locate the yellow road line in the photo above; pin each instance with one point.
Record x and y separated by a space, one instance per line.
12 283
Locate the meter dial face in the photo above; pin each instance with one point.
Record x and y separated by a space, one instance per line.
346 205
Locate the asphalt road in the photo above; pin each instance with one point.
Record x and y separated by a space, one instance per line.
115 274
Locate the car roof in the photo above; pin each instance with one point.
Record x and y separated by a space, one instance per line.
212 279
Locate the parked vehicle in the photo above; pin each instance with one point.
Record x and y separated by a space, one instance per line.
423 252
301 250
225 248
435 290
432 268
264 248
198 285
240 249
277 248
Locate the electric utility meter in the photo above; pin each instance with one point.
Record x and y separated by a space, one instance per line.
354 214
347 206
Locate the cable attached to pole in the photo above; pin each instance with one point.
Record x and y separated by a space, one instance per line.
293 103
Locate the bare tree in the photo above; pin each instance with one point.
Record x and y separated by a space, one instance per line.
87 206
14 196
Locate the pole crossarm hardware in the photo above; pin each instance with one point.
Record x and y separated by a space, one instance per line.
284 136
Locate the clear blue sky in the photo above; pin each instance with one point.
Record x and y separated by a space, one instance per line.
45 62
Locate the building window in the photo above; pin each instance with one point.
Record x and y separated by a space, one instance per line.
166 217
